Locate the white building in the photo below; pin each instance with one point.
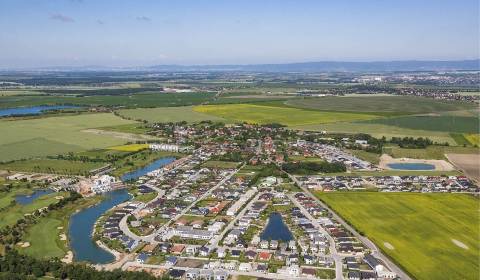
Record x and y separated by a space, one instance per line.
102 183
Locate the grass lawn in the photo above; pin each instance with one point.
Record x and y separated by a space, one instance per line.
420 227
55 135
368 156
168 114
10 215
372 103
56 166
264 114
220 164
140 159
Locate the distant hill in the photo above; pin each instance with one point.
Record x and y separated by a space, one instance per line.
333 66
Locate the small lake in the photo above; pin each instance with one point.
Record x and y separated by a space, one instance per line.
35 110
276 229
81 228
24 199
157 164
411 166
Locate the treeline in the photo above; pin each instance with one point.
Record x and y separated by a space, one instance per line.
14 266
412 143
266 171
307 168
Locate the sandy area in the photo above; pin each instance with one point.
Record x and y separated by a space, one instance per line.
440 165
60 228
388 246
63 236
59 197
459 244
468 163
24 244
68 257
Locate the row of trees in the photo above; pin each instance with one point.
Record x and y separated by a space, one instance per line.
313 167
15 266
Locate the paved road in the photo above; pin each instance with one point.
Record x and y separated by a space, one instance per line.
333 250
375 251
231 272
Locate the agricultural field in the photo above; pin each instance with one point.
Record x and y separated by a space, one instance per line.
379 130
129 147
473 139
387 104
220 164
133 128
52 166
435 123
411 228
134 100
168 114
56 135
266 113
431 152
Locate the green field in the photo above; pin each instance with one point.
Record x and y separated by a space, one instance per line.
10 215
220 164
395 104
164 115
379 130
55 166
420 227
434 123
265 113
431 152
55 135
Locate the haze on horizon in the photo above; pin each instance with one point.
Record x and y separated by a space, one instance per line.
41 33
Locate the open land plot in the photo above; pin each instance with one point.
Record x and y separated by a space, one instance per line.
435 123
468 163
417 226
55 135
369 103
431 152
133 128
130 147
474 139
145 99
256 113
379 130
220 164
168 114
53 166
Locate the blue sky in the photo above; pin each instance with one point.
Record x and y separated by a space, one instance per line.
147 32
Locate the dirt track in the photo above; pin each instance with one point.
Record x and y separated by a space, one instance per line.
122 135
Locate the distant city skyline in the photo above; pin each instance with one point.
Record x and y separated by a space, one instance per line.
125 33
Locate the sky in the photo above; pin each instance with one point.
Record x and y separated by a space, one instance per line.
40 33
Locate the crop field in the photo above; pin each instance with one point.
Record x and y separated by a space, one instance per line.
130 147
432 236
395 104
55 166
133 128
379 130
474 139
168 114
146 99
435 123
264 114
431 152
55 135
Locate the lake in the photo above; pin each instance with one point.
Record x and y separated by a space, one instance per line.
411 166
81 228
24 199
276 229
157 164
35 110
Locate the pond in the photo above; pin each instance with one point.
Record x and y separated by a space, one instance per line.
36 110
24 199
411 166
157 164
82 224
276 229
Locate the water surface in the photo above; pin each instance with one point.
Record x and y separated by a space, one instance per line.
24 199
276 229
157 164
35 110
81 228
411 166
